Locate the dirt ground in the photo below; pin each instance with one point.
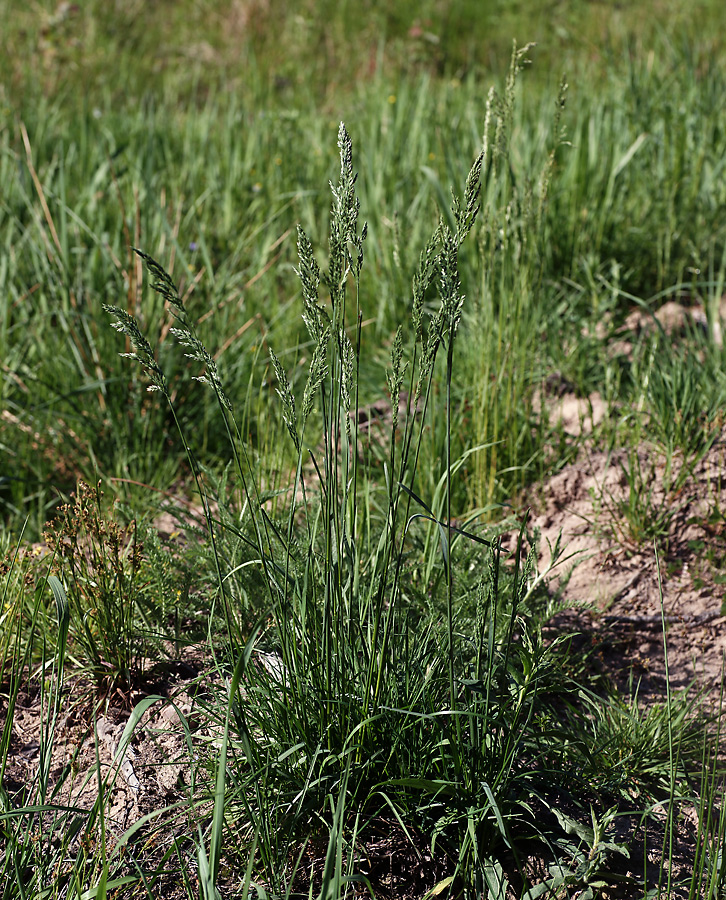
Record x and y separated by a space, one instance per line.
611 511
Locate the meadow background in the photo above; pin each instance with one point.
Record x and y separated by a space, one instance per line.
204 134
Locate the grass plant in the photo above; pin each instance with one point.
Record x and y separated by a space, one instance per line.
379 669
344 704
101 565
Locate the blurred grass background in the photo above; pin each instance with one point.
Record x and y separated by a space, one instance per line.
317 49
204 132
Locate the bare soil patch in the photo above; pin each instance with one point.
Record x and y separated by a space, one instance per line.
612 510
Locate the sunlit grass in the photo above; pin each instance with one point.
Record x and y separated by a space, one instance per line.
374 660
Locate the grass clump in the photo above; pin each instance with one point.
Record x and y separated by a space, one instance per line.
101 564
364 696
385 705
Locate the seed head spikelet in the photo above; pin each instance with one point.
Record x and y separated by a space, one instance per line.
284 391
346 245
465 216
199 353
314 316
163 283
504 106
318 371
396 375
127 325
422 279
452 300
347 371
560 133
488 114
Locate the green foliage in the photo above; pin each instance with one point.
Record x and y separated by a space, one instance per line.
573 227
100 564
377 656
338 700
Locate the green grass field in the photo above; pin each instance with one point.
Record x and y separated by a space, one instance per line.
321 352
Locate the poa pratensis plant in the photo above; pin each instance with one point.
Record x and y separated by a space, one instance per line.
359 694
